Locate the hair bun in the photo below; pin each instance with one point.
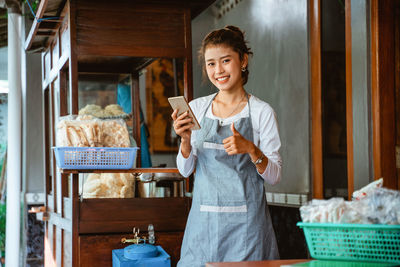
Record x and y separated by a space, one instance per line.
235 30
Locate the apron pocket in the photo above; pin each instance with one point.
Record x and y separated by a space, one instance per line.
231 232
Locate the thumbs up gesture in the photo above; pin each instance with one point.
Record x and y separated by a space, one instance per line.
236 144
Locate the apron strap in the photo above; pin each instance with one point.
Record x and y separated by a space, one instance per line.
248 103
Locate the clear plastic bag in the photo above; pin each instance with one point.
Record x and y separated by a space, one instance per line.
88 131
373 205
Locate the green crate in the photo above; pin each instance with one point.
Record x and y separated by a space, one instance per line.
353 242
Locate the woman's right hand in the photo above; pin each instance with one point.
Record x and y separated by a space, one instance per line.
183 125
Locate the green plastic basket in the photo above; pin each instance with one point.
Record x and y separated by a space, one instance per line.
353 242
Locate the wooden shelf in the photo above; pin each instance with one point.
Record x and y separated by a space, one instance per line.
136 170
112 215
103 41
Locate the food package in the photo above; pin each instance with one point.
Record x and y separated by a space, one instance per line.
69 133
87 131
363 192
93 110
109 185
373 204
115 133
324 211
112 110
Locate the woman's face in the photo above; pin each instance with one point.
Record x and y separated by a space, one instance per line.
223 67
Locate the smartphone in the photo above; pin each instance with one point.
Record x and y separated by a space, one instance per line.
180 103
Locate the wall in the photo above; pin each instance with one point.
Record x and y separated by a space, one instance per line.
32 124
361 88
279 74
3 63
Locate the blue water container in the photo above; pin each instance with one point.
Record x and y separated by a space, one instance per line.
141 255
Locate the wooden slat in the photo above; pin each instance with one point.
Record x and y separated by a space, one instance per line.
59 222
118 65
45 33
136 170
120 215
47 178
35 25
135 100
36 42
188 72
46 26
382 86
59 245
49 246
397 82
67 211
53 142
75 219
316 98
128 29
67 245
50 201
349 102
73 61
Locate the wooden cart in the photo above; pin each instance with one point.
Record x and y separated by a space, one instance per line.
117 37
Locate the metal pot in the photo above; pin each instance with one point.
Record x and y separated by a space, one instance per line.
170 176
161 185
150 189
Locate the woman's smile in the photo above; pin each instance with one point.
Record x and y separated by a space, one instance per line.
222 79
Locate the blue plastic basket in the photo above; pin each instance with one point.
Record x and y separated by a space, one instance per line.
95 157
353 242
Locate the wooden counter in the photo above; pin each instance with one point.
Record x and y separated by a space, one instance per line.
271 263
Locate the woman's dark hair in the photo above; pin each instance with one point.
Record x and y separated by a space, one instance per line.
230 36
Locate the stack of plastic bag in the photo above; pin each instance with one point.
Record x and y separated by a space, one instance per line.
372 204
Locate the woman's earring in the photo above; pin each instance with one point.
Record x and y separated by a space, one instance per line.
243 69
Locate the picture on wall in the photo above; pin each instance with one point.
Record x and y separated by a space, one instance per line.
164 78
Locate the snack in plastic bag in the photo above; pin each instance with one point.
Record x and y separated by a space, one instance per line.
114 110
87 131
381 206
363 192
372 205
91 109
323 211
115 133
109 185
97 111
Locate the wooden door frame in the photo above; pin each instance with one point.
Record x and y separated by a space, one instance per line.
316 100
383 91
349 101
382 21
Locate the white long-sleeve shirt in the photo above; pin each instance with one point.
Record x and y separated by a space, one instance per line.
265 131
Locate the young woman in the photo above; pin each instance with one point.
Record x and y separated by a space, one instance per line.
234 153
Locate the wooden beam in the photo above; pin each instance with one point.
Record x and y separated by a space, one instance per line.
316 98
35 25
45 33
349 102
383 93
136 170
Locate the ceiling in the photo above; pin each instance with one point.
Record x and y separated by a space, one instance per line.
40 32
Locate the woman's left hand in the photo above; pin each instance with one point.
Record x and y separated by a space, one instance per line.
237 144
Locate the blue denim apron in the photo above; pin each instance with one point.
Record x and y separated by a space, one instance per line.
229 218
